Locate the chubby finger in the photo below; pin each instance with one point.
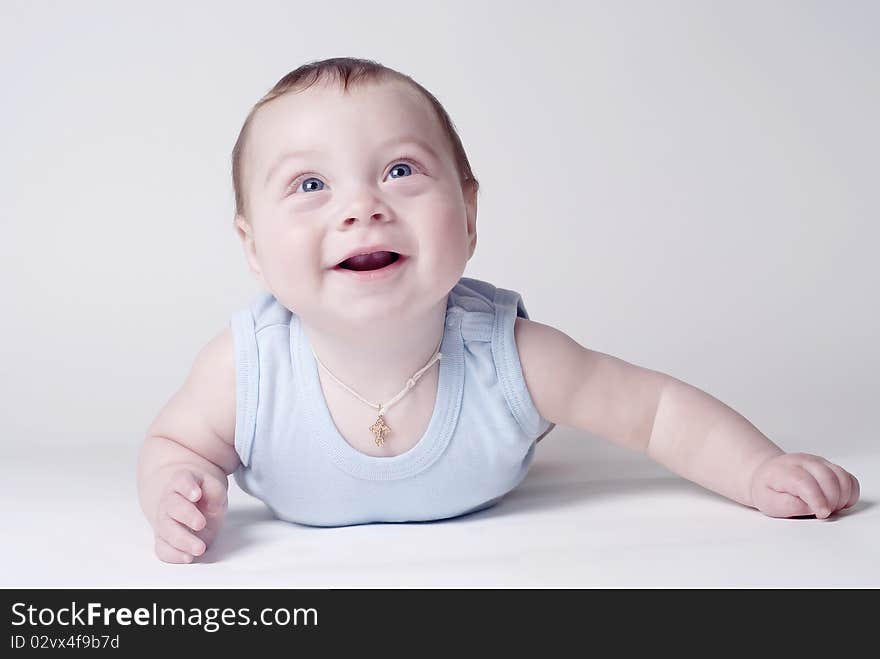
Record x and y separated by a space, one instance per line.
843 481
169 554
179 537
185 483
185 512
214 500
802 484
854 493
827 480
787 505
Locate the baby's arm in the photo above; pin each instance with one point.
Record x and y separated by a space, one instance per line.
187 454
679 426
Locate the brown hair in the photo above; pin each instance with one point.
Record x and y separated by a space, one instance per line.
345 71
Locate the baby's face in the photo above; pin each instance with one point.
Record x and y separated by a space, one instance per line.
328 173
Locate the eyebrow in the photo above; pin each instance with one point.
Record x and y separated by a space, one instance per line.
397 141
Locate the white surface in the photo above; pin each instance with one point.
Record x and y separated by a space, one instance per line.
587 515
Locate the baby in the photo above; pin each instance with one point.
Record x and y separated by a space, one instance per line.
373 382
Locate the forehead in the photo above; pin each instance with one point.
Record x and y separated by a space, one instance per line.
325 118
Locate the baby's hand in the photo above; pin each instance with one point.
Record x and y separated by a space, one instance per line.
190 513
794 484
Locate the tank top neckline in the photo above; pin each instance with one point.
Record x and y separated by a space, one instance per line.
321 430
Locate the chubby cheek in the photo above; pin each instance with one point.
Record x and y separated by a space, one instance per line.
443 248
292 271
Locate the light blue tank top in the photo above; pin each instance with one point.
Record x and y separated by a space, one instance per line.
477 447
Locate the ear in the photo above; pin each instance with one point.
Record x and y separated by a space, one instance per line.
470 203
246 234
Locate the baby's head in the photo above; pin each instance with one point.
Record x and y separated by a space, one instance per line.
344 154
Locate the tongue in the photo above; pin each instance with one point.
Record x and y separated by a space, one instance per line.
372 261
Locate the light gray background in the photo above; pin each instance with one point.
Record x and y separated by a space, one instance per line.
689 186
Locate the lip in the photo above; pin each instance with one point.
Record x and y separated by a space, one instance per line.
368 250
374 275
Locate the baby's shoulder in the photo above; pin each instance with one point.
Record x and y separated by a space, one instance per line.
201 414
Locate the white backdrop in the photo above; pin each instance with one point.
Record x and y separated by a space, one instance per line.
689 186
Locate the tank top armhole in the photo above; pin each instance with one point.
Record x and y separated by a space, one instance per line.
247 378
509 305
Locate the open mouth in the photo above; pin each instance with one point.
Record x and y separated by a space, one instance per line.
368 262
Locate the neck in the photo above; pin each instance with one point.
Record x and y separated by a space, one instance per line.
377 363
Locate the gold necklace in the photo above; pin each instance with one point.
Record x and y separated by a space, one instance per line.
380 429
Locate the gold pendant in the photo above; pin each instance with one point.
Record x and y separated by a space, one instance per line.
379 430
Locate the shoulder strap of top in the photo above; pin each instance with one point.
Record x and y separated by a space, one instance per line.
509 305
247 378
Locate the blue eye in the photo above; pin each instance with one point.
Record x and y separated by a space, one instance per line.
399 166
312 178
